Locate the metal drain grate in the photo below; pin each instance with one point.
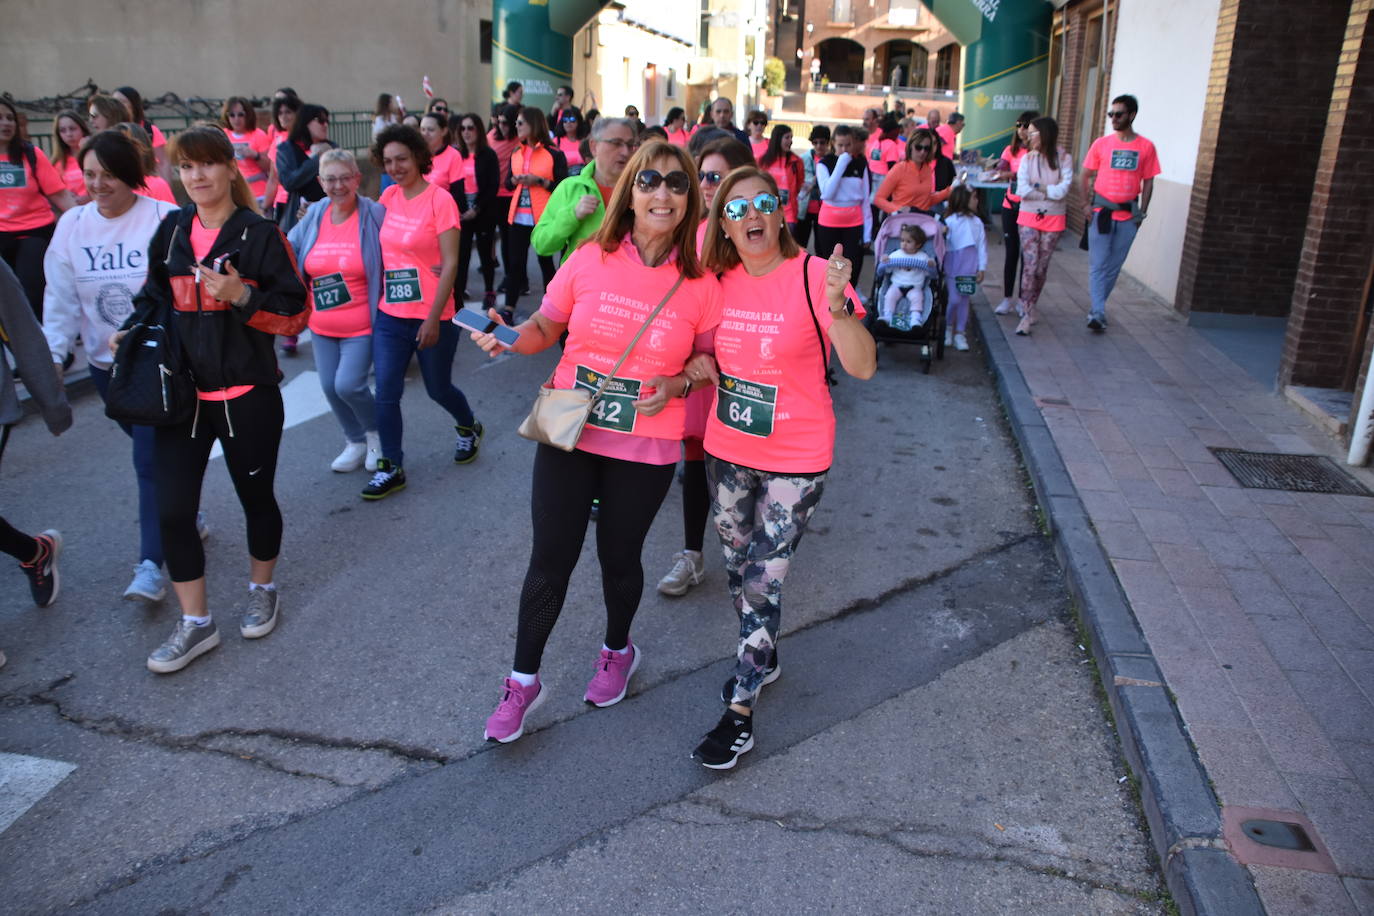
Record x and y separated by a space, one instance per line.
1299 473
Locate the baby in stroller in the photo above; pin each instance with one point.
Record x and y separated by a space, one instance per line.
906 300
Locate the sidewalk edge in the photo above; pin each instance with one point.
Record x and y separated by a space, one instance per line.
1182 811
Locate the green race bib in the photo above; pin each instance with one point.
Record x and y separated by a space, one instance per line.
615 408
966 286
330 292
403 285
12 177
1125 160
746 406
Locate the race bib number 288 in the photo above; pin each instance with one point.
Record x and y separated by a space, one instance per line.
403 285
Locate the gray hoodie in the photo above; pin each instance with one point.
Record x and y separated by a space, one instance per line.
23 337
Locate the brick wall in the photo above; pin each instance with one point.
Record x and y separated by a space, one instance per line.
1328 294
1260 149
1075 17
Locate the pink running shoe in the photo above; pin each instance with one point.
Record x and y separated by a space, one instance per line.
508 722
612 677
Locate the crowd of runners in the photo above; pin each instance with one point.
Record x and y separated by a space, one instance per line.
674 270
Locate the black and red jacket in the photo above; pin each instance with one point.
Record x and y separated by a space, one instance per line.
225 345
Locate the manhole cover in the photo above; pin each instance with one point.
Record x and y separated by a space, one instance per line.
1300 473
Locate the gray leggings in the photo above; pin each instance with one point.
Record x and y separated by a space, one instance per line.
343 363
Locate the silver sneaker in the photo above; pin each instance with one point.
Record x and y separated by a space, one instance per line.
147 583
181 648
202 528
263 612
689 568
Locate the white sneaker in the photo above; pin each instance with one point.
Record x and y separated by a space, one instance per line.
351 458
949 338
374 450
202 528
1020 309
960 342
689 568
147 583
1003 308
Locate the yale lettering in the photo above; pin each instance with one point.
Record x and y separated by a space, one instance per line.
102 258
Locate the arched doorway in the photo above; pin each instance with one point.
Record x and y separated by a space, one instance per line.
842 60
912 58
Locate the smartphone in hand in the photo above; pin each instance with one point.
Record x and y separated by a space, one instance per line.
474 320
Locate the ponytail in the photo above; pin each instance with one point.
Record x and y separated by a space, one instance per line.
241 194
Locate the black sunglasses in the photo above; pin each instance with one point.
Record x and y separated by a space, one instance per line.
1117 114
711 178
569 119
923 148
649 179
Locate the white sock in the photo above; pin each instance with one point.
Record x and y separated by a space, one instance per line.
269 587
197 621
606 648
523 679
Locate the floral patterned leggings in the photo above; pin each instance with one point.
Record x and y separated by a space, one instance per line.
760 518
1036 249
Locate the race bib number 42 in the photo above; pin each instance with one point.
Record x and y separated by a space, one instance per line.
13 176
746 406
330 292
615 409
1125 160
403 285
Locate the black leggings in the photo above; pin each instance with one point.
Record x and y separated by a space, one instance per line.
1011 248
516 256
696 504
485 238
801 231
249 429
565 483
23 252
13 541
851 237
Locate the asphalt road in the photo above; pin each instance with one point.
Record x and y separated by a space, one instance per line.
935 744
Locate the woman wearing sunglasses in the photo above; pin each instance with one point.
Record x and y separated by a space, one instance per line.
716 160
568 135
911 183
239 119
537 167
474 187
771 438
298 161
1007 166
642 256
503 142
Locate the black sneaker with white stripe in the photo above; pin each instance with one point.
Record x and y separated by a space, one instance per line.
732 736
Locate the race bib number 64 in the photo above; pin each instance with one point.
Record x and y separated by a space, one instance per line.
746 406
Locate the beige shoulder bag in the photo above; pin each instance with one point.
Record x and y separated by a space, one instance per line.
559 414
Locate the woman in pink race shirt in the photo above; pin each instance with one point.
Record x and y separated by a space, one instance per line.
771 437
643 256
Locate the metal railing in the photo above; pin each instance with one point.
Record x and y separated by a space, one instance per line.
904 92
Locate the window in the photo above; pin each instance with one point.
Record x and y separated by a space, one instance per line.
1091 91
841 11
945 63
671 89
484 41
704 39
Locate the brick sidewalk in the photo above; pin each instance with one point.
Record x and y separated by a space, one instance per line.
1258 604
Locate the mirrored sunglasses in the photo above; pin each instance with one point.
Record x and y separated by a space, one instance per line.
737 209
712 178
648 180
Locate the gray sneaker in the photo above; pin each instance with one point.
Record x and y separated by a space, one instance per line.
181 648
263 612
147 583
689 568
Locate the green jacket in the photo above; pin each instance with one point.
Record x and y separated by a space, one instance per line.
558 230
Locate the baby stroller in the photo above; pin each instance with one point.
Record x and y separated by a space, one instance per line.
930 334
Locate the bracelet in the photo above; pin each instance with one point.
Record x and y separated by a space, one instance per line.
243 298
687 388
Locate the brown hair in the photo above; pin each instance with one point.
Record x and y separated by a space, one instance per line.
119 154
620 218
251 113
136 133
538 125
717 250
63 154
735 153
924 133
410 138
208 143
109 108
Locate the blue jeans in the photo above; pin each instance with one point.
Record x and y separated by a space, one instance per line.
1106 254
393 343
342 363
149 530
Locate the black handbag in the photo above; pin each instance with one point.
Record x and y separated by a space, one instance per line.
149 384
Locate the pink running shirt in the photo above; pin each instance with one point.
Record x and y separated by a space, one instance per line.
410 249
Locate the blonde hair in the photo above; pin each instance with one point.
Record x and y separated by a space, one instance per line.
718 252
339 155
110 108
207 143
620 218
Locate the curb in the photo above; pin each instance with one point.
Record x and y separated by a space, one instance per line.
1182 811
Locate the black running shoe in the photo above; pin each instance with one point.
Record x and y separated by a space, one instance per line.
1096 324
732 736
44 580
727 690
469 438
387 480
